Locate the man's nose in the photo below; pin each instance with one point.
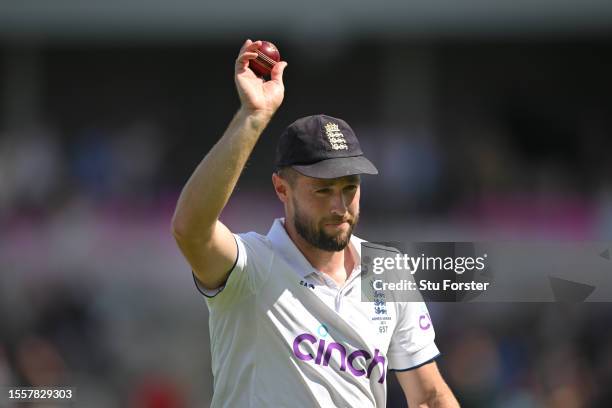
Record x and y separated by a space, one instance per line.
338 204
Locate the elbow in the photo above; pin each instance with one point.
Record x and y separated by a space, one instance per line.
178 228
184 229
187 230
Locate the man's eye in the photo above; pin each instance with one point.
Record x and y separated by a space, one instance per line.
351 187
324 190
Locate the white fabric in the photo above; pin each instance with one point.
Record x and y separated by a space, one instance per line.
285 335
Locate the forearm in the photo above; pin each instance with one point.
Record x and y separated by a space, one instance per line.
208 189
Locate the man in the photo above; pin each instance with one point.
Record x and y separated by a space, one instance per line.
288 328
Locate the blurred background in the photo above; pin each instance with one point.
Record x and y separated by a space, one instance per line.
487 121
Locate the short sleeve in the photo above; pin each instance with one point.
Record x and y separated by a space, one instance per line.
412 344
250 269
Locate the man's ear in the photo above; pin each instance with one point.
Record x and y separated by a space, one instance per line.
281 187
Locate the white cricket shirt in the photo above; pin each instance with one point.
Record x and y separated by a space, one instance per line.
286 335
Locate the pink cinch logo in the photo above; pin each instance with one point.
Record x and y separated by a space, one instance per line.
324 352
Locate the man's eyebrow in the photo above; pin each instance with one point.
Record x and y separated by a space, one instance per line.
330 182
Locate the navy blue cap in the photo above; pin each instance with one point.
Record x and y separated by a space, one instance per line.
322 146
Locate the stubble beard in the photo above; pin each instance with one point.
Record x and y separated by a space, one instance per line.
317 237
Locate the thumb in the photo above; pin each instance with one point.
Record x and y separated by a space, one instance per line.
277 72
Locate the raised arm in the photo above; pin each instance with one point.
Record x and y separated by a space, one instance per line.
207 244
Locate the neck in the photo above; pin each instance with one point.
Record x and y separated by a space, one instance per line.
337 264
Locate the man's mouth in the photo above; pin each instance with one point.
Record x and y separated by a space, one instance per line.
337 223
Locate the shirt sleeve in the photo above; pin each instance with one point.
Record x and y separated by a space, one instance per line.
412 344
253 261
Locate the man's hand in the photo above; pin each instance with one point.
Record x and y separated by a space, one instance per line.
257 95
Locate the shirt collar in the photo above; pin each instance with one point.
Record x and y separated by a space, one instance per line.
286 248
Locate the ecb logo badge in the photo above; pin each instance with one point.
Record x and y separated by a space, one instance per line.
380 305
335 137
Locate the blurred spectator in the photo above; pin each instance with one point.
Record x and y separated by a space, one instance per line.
93 164
40 363
31 169
137 152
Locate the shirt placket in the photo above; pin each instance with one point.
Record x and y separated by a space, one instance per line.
345 290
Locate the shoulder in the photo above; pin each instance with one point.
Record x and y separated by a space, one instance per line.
254 250
254 241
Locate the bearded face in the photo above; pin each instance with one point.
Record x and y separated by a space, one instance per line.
329 234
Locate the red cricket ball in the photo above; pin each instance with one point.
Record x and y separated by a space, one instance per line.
267 57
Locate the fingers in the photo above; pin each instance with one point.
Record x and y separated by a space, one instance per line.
246 44
277 72
247 52
250 46
243 59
